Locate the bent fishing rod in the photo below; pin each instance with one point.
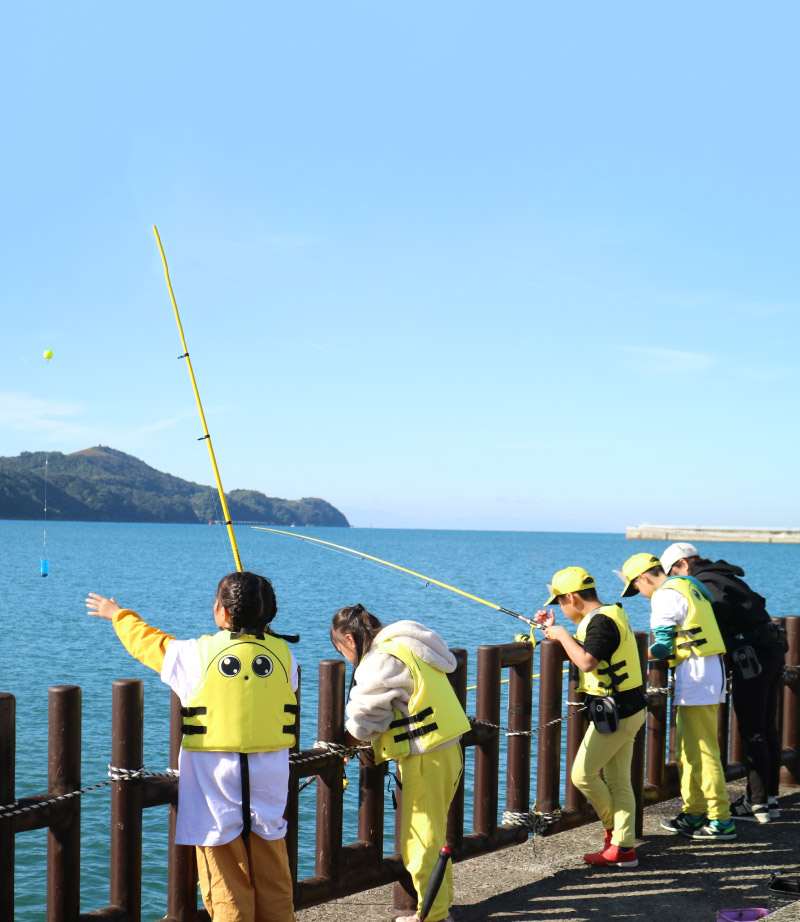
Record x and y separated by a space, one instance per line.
428 579
205 436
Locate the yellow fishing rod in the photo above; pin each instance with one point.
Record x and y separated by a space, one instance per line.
205 436
395 566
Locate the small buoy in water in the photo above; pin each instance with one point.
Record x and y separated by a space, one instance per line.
45 566
48 354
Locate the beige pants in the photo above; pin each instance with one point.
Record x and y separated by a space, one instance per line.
246 882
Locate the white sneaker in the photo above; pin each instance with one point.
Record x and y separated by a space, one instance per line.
774 808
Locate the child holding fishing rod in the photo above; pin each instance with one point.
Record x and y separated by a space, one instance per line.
402 702
237 688
604 650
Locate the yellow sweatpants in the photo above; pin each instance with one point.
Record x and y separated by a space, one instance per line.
702 779
429 782
246 882
611 798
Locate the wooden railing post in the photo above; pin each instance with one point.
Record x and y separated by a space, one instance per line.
574 801
520 693
181 862
549 751
790 774
63 776
487 755
455 819
637 763
330 727
656 730
127 720
8 751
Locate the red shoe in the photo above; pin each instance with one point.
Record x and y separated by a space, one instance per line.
607 840
613 856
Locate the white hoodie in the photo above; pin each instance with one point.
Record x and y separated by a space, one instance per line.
383 681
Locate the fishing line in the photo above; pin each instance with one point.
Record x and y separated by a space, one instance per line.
44 561
226 551
403 570
379 566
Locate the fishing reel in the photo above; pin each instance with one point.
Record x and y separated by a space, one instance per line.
526 638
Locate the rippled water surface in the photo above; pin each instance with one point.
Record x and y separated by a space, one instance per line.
168 573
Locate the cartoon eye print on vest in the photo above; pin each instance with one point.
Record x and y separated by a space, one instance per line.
262 666
230 666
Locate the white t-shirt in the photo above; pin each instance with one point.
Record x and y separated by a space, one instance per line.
210 789
698 679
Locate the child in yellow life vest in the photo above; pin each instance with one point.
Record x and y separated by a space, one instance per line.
402 701
604 649
686 632
237 688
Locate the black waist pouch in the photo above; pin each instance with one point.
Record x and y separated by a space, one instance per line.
604 714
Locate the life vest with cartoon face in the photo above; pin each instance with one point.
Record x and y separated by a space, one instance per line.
623 670
435 715
244 701
699 633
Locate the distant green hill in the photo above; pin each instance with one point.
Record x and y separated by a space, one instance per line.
105 485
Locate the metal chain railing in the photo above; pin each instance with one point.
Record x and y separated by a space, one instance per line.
533 819
115 773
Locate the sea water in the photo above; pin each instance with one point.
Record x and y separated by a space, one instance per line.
169 573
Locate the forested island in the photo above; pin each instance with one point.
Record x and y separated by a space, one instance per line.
102 484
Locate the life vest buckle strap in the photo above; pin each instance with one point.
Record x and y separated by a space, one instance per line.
411 719
191 730
419 731
290 729
292 708
193 712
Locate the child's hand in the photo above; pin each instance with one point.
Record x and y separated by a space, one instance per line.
545 617
101 607
556 632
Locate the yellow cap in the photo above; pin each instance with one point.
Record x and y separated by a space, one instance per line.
635 566
570 579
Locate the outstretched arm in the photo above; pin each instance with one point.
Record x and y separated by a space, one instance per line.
139 638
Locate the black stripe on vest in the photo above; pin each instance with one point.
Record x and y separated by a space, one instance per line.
413 734
411 719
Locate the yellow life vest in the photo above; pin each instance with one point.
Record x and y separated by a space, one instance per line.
699 631
623 671
244 701
435 715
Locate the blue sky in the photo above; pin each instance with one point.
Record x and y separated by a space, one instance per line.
453 265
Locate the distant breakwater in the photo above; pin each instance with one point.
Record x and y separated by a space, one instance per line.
692 533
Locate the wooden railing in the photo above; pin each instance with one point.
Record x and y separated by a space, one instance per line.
348 867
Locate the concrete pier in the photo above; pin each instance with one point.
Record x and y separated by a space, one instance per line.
546 879
721 533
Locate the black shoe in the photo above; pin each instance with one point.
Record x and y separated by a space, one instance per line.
684 823
716 831
742 809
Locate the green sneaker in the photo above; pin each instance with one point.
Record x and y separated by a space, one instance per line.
716 831
685 823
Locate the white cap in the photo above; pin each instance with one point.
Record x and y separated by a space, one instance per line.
676 552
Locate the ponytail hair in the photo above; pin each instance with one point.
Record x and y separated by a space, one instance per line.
358 622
